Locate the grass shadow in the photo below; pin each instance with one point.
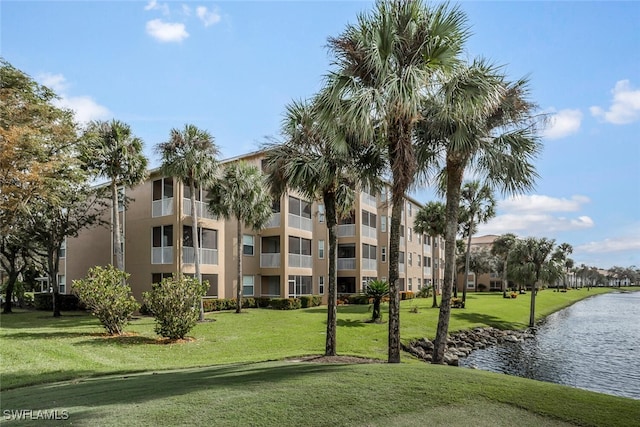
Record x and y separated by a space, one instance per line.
486 319
350 323
107 340
342 309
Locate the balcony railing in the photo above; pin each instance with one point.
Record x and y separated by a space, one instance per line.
274 221
300 222
369 200
207 256
401 241
369 264
346 230
162 207
426 249
369 232
346 263
426 271
270 260
301 261
201 208
401 267
162 255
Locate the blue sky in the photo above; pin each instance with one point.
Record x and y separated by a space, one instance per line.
231 67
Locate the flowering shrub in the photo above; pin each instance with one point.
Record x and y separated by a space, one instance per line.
105 293
457 303
514 295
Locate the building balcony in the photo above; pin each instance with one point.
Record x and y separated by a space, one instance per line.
201 209
162 255
346 264
274 221
207 256
300 261
369 232
300 222
346 230
162 207
270 260
369 264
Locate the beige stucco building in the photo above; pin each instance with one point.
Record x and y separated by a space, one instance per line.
289 257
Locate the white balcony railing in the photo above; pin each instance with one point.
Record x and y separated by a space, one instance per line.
346 263
162 207
162 255
346 230
369 232
401 267
274 221
271 260
426 249
300 222
426 271
369 200
301 261
207 256
401 241
201 208
369 264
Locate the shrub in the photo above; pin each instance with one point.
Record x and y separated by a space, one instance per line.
376 290
68 302
263 302
360 299
108 298
424 292
285 303
406 295
175 304
482 287
457 303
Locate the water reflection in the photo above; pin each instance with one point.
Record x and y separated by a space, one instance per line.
590 345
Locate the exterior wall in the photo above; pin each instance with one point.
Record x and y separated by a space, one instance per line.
143 214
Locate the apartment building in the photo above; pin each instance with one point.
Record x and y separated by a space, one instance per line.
288 258
485 281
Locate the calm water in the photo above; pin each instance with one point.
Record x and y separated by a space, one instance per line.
594 345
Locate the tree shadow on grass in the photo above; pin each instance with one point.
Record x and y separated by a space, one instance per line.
350 323
346 309
104 339
486 319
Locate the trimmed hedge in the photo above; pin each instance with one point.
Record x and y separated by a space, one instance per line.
68 302
286 303
406 295
221 304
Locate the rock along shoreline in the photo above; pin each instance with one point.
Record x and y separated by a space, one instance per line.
462 343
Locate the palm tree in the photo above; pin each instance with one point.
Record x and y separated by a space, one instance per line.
431 219
563 252
190 156
501 248
384 65
475 120
377 289
479 206
530 262
320 161
112 151
241 193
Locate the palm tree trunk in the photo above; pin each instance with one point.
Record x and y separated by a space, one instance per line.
466 262
239 265
532 308
332 303
435 299
117 235
394 295
505 280
454 183
196 244
53 282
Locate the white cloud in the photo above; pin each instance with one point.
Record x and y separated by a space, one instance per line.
625 106
618 244
541 203
563 123
84 107
166 31
154 5
186 10
208 17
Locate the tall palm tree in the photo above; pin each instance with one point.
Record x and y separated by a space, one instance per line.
241 193
564 250
475 120
190 155
110 150
530 262
384 65
501 248
479 206
322 162
431 219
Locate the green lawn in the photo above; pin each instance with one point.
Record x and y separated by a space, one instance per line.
221 387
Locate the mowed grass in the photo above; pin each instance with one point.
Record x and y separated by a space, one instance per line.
234 372
37 348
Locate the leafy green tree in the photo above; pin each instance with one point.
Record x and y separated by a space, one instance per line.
174 304
501 248
384 66
241 193
322 161
103 292
479 206
110 150
475 120
190 156
377 289
562 255
15 252
431 219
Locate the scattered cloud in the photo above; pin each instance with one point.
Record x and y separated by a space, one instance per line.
625 106
84 107
563 123
208 17
186 10
154 5
166 32
541 203
617 244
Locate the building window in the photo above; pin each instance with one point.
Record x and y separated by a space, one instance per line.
207 245
300 214
365 282
409 281
321 285
410 258
383 223
400 257
427 261
162 245
419 283
409 209
419 261
63 249
383 254
270 286
162 196
409 234
321 249
300 285
369 219
121 199
419 238
247 285
62 283
248 245
300 252
321 215
426 240
368 251
159 277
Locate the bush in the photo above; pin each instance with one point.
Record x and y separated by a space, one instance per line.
263 302
175 304
104 293
424 292
285 303
68 302
406 295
